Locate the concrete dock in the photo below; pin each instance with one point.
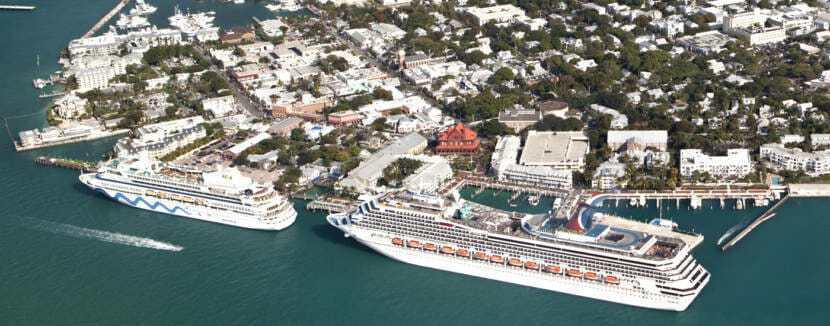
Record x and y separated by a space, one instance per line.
106 18
761 219
17 8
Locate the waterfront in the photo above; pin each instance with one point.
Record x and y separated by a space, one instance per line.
310 273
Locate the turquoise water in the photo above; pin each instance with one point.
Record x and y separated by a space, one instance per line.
310 274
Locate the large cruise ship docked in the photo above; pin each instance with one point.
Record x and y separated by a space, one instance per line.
224 196
590 255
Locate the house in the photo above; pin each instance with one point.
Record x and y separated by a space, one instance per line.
237 35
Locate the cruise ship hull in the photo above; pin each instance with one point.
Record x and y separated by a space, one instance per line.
183 209
622 294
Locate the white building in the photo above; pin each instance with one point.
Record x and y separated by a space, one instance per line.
638 139
496 14
505 167
606 176
219 106
794 159
70 106
618 120
272 27
736 164
94 78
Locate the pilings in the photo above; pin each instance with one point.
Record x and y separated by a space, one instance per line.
65 163
767 215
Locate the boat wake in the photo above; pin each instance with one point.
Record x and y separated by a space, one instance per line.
105 236
729 233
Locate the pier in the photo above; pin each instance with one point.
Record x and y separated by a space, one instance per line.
66 140
490 183
17 8
303 196
66 163
52 94
106 18
767 215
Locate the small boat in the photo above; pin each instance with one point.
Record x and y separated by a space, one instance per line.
592 276
612 279
480 255
531 265
413 244
431 247
574 273
642 201
632 202
447 250
496 259
739 205
514 262
513 205
462 252
397 241
186 198
533 200
174 196
150 193
667 224
553 269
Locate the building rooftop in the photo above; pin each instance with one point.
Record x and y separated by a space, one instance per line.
547 148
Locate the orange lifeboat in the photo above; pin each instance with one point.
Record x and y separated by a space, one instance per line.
429 246
447 250
553 269
397 241
413 243
480 255
531 265
574 272
462 252
592 276
612 279
496 259
514 262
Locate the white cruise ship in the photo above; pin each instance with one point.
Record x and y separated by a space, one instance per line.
224 196
590 255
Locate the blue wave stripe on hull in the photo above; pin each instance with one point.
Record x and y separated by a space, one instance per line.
138 199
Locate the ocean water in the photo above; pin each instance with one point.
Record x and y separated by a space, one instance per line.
68 256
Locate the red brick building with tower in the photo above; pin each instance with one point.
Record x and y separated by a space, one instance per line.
457 140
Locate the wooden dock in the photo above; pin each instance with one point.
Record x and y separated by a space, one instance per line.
331 205
66 163
106 18
17 8
767 215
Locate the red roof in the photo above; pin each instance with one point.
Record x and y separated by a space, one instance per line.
466 134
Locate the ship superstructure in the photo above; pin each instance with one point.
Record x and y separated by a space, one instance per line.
224 196
591 255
